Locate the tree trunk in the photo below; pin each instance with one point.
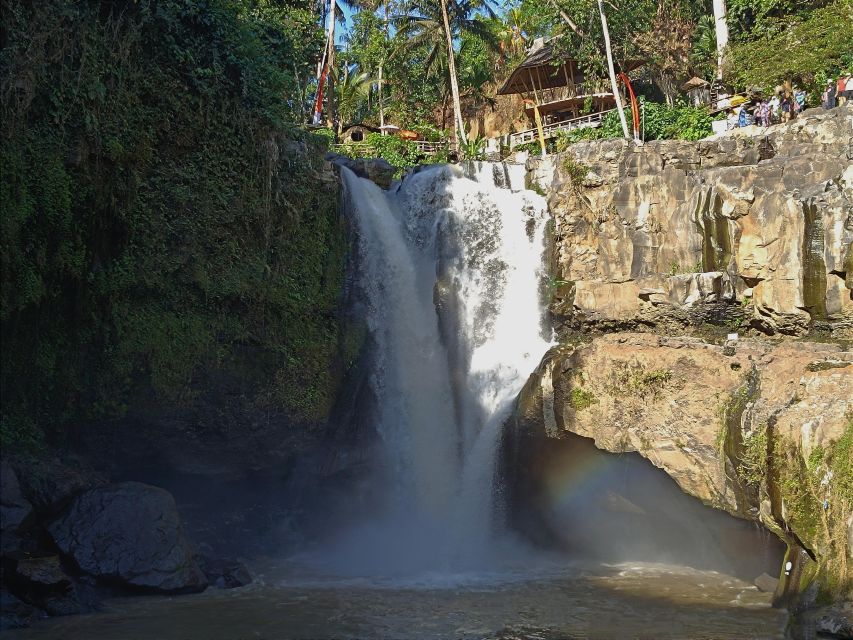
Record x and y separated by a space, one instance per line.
381 65
568 20
330 116
722 30
612 71
454 84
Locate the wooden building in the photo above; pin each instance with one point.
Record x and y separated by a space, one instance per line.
556 90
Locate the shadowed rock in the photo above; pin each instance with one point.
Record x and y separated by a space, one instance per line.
14 613
129 534
43 583
16 513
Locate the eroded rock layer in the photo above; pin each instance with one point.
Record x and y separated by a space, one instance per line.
754 230
702 296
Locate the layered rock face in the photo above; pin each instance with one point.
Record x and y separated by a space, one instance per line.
661 252
676 231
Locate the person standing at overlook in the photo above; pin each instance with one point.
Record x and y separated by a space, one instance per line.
829 95
774 108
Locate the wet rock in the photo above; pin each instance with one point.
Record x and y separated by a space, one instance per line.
678 402
129 534
50 485
16 513
766 583
15 613
224 573
375 169
825 622
43 583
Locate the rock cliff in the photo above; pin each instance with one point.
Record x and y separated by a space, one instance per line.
751 229
661 253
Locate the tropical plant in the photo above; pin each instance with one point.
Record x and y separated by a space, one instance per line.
703 50
804 49
473 148
435 25
352 90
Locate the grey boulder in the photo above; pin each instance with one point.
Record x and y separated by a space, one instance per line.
129 534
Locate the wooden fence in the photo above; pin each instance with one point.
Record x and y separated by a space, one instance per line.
551 130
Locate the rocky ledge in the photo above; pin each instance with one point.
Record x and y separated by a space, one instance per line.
749 230
702 296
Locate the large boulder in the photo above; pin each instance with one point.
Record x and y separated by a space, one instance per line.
50 484
16 513
129 534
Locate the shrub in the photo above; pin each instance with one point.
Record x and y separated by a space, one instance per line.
804 49
324 137
576 170
582 399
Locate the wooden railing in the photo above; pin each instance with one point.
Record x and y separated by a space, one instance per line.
365 149
550 130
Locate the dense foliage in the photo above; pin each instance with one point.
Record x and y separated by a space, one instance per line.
805 48
771 41
159 215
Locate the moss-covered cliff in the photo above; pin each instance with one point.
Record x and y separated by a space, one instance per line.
165 232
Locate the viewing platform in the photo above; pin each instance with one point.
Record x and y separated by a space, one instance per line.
551 130
365 149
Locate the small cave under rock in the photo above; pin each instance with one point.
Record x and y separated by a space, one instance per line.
567 495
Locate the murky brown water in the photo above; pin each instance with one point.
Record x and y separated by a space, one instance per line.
625 601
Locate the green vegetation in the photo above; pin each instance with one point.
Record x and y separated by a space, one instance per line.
800 42
576 170
752 463
651 382
160 215
634 379
582 399
676 269
812 494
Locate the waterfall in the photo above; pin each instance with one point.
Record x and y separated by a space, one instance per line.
450 272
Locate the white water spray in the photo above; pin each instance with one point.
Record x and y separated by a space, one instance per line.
451 268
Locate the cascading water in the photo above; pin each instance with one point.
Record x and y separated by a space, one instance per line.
450 270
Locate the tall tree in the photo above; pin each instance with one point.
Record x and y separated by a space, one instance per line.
611 71
454 81
436 24
722 31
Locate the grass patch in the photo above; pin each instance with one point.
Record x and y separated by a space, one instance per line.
581 399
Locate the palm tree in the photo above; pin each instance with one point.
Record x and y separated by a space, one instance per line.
512 39
333 12
352 88
435 24
704 47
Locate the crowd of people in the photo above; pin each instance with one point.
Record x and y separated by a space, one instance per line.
838 92
787 102
784 105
